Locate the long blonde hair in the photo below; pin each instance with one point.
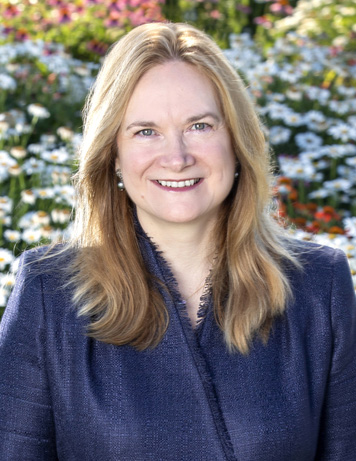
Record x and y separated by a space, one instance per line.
111 283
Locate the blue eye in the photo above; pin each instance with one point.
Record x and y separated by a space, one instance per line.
146 132
200 126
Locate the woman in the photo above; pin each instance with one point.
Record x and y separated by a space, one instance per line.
203 332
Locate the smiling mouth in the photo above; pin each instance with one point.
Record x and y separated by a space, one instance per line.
177 184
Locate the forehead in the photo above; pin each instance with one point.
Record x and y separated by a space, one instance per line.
174 86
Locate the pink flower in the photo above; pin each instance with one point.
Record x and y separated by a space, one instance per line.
263 21
215 14
7 30
244 9
21 35
116 6
97 47
115 19
64 15
58 3
137 18
276 8
11 11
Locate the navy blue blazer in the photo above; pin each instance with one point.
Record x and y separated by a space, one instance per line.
64 396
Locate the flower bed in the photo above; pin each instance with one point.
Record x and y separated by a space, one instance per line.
304 91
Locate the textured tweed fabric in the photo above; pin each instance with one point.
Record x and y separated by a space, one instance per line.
64 396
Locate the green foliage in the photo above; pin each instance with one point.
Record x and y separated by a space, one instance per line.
86 28
328 22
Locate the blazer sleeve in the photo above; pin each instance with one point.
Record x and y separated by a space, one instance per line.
338 421
26 421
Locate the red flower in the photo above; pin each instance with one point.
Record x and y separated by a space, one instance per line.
327 214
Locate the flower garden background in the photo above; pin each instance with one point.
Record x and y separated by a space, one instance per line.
298 59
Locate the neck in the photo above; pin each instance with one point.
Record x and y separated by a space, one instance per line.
187 248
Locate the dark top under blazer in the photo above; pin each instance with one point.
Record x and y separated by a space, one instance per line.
66 396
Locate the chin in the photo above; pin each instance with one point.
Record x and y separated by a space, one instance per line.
183 218
179 219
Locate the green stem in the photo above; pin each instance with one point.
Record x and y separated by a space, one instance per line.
301 191
12 191
22 181
290 209
2 100
333 168
333 201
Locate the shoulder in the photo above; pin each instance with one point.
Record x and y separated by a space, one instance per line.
309 250
323 286
43 261
323 281
40 275
319 259
41 302
45 256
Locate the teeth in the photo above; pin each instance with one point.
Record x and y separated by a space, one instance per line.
176 184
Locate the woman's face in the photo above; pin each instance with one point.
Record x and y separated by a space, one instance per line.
174 149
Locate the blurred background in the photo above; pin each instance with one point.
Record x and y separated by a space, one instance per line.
298 59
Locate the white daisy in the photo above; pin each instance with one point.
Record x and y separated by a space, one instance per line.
6 258
7 83
12 235
37 110
343 131
279 135
6 204
308 140
32 235
27 196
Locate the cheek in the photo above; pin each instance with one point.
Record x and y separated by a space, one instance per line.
134 162
224 157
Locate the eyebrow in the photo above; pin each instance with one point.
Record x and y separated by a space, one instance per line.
194 118
141 124
204 115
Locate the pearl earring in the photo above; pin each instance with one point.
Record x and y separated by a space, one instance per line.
120 184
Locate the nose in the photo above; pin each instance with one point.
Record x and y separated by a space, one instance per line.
175 155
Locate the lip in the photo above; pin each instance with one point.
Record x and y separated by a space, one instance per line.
197 182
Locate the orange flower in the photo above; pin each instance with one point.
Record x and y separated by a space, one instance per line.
284 180
329 209
314 227
293 195
336 230
299 206
300 222
312 207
